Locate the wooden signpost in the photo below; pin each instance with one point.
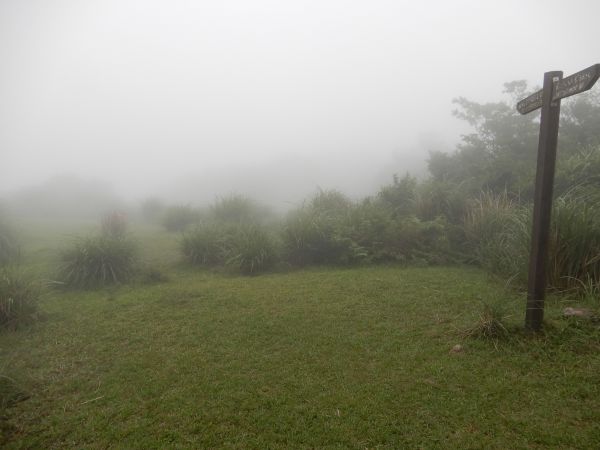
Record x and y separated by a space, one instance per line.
555 88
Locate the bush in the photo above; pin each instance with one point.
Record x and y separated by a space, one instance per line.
439 198
9 247
179 218
251 249
400 196
98 260
385 235
312 236
18 299
206 245
320 232
246 248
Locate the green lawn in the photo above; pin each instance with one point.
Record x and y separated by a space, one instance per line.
320 358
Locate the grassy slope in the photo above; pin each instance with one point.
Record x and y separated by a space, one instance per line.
321 358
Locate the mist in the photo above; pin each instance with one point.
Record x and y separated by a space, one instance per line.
187 100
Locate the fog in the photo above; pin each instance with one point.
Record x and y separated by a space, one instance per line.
187 100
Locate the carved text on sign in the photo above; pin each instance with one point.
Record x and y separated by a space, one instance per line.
576 83
531 103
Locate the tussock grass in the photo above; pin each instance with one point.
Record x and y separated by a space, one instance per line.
206 245
9 245
490 323
575 241
499 230
18 299
251 249
95 261
245 248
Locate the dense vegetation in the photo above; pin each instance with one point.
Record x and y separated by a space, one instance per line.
474 208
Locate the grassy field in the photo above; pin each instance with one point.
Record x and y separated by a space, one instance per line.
320 358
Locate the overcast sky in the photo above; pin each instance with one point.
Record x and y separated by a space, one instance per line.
151 94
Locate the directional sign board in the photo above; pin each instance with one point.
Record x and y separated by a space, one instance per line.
574 84
531 103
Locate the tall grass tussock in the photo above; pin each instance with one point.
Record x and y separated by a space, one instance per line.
9 246
498 230
18 299
246 248
109 257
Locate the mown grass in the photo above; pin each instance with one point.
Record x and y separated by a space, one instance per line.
320 358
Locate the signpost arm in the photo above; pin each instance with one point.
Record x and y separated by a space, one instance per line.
546 161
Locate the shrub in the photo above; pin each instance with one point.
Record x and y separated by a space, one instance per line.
320 232
332 203
18 299
385 235
437 198
9 247
251 249
400 196
98 260
206 245
311 236
178 218
246 248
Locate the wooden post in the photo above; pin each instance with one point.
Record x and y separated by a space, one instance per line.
555 88
542 206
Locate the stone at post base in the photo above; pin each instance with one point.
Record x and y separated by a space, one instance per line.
577 312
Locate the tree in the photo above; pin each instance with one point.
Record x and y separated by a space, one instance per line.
500 154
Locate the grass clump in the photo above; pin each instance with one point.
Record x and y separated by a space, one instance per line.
251 249
490 324
498 230
206 245
18 299
9 246
246 248
95 261
575 241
